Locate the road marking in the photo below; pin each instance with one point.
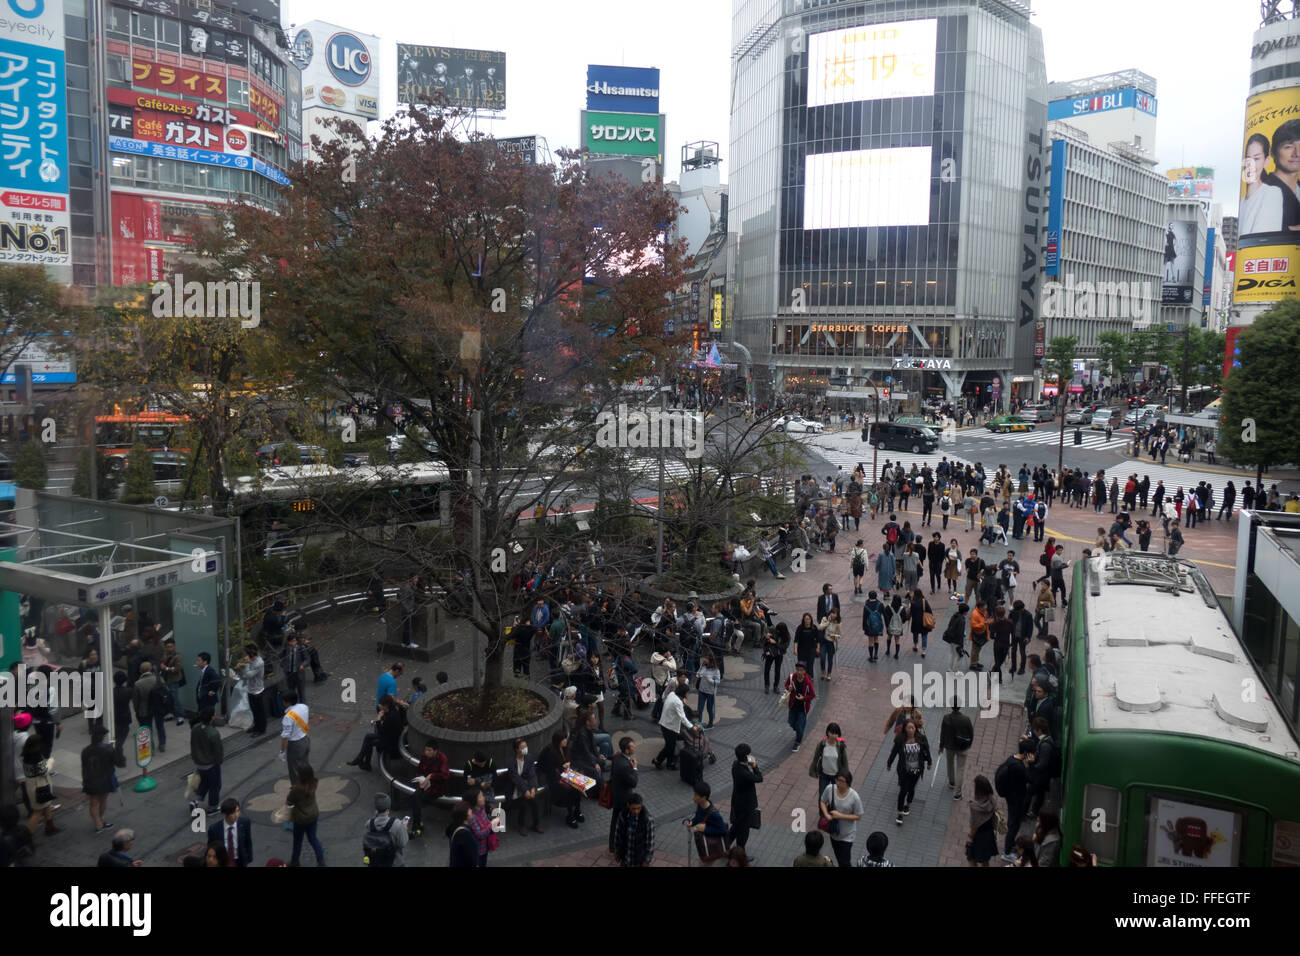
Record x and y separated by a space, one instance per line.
1065 537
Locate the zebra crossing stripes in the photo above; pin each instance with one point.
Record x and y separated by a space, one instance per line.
1095 440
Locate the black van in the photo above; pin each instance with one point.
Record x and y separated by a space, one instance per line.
892 435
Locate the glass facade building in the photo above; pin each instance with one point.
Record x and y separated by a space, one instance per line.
887 192
1112 211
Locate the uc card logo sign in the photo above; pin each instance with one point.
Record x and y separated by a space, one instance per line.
348 59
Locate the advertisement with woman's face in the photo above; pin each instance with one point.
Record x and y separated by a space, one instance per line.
1270 196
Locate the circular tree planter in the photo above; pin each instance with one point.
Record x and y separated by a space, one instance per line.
460 745
683 596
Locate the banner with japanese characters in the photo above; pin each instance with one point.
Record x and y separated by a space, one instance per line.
35 221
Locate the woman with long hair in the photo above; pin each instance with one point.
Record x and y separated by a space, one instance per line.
37 786
553 762
216 855
920 607
305 814
1047 838
806 639
912 751
982 841
952 568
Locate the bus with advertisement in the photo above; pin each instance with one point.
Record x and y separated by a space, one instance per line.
117 434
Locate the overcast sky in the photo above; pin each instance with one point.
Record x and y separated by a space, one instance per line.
1198 51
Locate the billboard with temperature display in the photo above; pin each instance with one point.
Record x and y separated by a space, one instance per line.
878 62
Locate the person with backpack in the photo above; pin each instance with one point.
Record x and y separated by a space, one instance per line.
956 734
385 839
955 636
858 565
873 625
912 751
208 753
895 617
1011 781
152 700
461 839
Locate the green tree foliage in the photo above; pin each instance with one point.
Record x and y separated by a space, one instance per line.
1059 362
1114 350
107 481
436 273
29 465
1260 398
31 304
140 488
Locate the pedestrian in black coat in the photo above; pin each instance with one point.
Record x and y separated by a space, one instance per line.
745 776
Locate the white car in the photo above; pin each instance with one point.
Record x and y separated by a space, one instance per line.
794 423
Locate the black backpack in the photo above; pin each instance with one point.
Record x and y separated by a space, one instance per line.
1002 778
160 699
377 845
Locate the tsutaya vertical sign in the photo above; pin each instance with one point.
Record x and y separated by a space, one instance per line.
717 310
35 221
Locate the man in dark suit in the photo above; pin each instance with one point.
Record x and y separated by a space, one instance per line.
744 795
829 601
208 691
622 782
234 833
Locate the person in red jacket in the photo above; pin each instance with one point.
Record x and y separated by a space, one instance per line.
430 782
800 690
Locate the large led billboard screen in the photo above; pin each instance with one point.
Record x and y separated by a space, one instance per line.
867 187
470 79
877 62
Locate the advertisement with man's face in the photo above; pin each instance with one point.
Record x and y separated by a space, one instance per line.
1270 195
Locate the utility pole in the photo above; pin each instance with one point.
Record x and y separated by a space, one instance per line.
476 530
659 525
1187 361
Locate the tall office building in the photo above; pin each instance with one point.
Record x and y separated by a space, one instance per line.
887 195
1187 233
197 117
1105 232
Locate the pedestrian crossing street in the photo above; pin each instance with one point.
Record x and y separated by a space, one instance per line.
847 451
1091 439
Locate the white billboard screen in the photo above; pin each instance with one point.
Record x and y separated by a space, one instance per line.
866 188
872 63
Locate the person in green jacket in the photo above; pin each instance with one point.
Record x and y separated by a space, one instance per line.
207 752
